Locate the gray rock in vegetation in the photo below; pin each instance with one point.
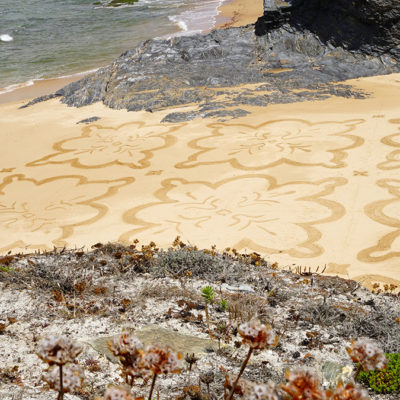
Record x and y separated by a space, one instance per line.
151 334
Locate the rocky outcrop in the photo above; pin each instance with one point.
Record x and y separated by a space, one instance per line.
370 26
301 50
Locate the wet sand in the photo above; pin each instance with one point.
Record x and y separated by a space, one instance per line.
39 88
239 13
312 184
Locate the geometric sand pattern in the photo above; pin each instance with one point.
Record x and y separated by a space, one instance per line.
311 184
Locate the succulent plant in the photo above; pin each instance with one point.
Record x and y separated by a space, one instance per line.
384 380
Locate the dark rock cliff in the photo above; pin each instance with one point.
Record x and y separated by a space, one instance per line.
301 50
371 26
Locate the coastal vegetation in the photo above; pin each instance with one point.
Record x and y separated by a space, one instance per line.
313 315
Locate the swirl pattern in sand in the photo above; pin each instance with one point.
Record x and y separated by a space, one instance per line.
132 145
302 184
51 208
251 209
296 142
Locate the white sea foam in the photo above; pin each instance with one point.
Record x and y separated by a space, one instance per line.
6 38
199 19
16 86
182 25
31 82
89 71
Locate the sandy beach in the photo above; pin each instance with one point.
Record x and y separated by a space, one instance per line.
240 12
312 184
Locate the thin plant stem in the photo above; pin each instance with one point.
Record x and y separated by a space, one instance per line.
208 321
61 391
246 360
152 385
357 372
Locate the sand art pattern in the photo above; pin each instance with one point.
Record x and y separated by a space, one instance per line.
296 142
393 158
301 185
131 144
250 209
386 212
53 207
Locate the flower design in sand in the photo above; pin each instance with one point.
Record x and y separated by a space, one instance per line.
393 158
252 212
292 141
385 212
131 144
44 213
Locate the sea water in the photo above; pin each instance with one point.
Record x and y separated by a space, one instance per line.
42 39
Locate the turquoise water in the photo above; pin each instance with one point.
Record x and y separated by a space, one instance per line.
49 38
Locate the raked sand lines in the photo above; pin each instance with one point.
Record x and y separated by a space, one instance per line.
309 184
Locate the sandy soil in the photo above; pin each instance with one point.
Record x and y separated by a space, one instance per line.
312 184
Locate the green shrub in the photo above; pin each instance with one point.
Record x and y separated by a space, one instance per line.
5 268
385 380
207 293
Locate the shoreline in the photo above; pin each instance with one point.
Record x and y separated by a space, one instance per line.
39 87
231 14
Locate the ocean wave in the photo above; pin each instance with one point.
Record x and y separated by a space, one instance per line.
115 3
6 38
31 82
16 86
181 23
200 18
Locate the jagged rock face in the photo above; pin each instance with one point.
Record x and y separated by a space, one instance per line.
372 26
299 44
187 70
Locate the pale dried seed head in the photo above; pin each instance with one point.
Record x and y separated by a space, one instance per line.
368 354
58 350
72 378
117 393
125 343
257 335
349 392
303 384
160 360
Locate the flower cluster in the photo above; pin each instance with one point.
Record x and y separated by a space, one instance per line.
303 384
72 378
128 348
58 350
160 360
125 344
368 354
257 335
348 392
117 393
